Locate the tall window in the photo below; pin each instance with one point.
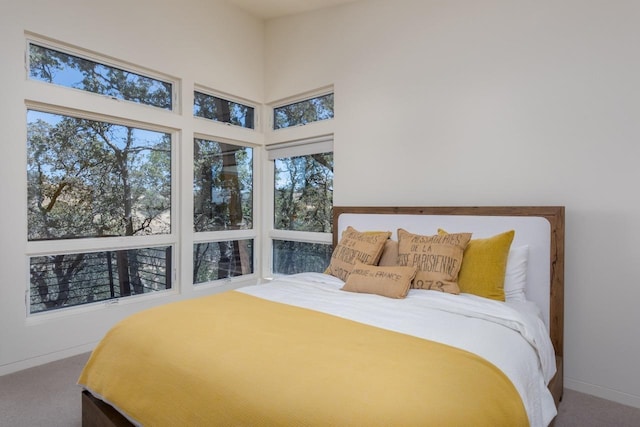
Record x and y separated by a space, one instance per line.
303 201
223 201
99 189
96 179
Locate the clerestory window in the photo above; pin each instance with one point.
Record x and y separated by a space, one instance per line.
303 112
223 110
71 70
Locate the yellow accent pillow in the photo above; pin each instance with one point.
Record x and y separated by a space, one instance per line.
484 265
354 246
392 282
437 257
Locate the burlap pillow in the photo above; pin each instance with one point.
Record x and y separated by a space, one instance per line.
389 257
437 257
392 282
484 264
354 245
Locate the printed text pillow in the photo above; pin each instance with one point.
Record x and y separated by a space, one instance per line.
355 246
438 259
392 282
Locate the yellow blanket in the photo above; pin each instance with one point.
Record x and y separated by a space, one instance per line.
235 359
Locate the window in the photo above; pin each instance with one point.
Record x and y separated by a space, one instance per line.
88 178
222 110
303 112
66 280
223 186
57 67
223 201
222 260
99 190
304 192
290 257
96 179
303 201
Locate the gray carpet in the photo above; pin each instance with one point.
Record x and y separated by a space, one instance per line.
47 396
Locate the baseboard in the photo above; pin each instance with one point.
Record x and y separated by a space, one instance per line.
603 392
45 358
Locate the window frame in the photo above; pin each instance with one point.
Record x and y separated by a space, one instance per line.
183 128
170 275
225 96
35 248
306 96
228 235
292 138
306 147
297 103
31 38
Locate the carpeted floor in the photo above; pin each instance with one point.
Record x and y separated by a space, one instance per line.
47 396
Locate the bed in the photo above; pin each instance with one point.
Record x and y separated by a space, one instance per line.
301 350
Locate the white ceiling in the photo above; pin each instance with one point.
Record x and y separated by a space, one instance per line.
268 9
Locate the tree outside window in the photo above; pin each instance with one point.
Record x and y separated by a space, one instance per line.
92 179
303 202
223 200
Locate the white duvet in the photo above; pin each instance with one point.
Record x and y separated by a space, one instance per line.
512 336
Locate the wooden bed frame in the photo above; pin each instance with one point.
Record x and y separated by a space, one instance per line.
99 414
553 214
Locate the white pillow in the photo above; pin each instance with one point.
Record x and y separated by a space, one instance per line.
515 278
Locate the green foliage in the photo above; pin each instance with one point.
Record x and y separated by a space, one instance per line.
304 193
223 186
303 112
60 281
93 179
290 257
221 260
223 200
88 178
222 110
57 67
303 202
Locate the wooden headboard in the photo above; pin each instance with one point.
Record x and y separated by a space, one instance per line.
540 227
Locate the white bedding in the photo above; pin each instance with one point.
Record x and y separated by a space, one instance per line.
512 336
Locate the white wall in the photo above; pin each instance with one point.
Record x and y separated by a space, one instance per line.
204 42
495 103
